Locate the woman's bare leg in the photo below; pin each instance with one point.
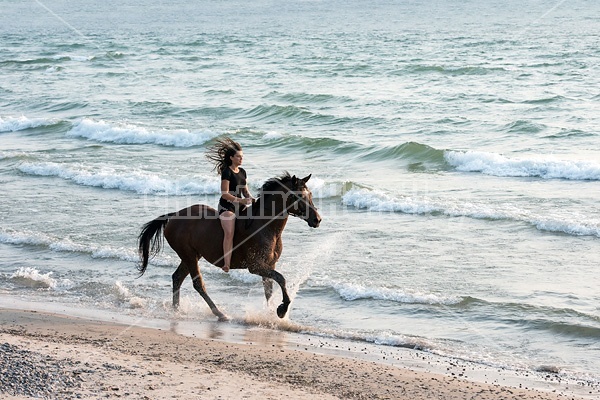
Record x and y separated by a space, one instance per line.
228 224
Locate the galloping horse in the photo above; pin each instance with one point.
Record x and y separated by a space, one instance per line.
196 232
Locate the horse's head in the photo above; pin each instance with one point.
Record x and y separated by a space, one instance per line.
299 202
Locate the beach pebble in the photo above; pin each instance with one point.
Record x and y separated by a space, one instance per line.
26 373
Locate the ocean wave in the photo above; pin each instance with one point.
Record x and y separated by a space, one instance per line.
558 321
30 63
551 221
570 133
522 126
529 310
544 100
565 329
416 155
7 155
540 167
43 62
351 292
136 181
300 114
309 98
321 189
105 132
309 144
124 296
32 278
142 182
72 57
447 70
52 70
13 124
97 292
419 155
50 106
379 201
65 245
286 112
113 55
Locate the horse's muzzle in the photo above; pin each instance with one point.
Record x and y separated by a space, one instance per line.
314 221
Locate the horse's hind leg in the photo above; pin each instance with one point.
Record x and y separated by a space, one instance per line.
178 277
198 283
199 286
268 285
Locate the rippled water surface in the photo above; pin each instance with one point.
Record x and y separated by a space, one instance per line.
453 148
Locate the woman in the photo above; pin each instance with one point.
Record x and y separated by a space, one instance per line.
227 156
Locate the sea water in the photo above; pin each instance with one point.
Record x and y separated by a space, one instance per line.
453 148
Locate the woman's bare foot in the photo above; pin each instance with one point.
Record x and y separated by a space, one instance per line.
225 268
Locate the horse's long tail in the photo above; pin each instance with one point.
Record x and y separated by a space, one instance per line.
151 240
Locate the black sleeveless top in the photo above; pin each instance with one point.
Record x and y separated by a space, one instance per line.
237 182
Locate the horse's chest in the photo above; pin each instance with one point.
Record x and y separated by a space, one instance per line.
265 254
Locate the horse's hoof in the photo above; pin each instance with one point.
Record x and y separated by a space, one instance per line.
282 310
223 318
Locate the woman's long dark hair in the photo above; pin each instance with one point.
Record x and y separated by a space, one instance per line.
220 152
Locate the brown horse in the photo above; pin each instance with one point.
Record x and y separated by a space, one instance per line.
196 232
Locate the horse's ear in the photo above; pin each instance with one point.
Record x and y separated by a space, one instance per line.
307 178
294 181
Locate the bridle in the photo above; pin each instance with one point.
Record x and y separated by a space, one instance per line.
299 206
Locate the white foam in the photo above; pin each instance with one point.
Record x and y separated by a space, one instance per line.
266 318
351 292
321 253
124 295
36 239
570 225
67 245
72 57
102 131
32 277
378 201
136 181
51 70
389 339
548 220
322 190
81 58
543 167
13 124
272 136
239 275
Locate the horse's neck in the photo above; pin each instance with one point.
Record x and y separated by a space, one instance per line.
269 213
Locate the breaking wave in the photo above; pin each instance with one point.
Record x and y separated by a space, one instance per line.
548 220
542 167
13 124
136 181
105 132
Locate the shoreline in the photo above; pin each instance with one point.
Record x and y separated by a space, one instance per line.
112 359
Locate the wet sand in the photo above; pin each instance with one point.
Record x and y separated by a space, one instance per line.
54 356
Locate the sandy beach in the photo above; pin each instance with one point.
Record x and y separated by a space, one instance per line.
52 356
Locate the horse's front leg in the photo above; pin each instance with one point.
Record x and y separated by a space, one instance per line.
266 272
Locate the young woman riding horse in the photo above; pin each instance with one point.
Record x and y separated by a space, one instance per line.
197 232
227 156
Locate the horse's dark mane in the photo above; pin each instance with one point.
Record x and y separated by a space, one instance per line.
276 183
